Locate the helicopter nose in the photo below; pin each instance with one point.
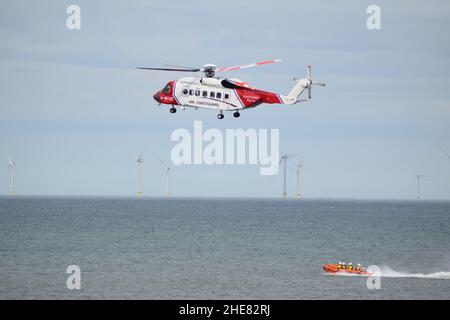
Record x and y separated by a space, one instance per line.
156 97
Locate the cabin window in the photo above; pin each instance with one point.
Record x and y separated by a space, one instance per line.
185 91
205 93
166 89
191 92
197 92
212 94
219 95
226 96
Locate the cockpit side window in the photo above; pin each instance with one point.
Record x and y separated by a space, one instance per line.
166 89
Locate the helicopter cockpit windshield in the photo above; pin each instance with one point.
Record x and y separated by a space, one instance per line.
166 89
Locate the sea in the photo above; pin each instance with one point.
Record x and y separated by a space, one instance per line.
194 248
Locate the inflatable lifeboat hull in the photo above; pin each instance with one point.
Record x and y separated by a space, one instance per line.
332 268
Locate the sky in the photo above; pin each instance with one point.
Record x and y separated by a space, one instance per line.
74 111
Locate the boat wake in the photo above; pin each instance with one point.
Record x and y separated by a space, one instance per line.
387 272
390 273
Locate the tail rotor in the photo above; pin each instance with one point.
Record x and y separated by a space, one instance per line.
311 82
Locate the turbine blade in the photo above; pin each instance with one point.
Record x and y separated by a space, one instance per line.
162 162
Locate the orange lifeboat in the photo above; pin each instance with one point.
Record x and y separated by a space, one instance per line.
333 268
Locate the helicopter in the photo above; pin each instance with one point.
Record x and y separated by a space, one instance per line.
224 94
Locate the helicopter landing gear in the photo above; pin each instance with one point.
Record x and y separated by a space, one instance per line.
172 110
236 114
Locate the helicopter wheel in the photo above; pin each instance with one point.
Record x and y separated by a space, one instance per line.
173 110
236 114
220 116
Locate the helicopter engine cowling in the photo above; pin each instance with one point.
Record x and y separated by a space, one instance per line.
211 82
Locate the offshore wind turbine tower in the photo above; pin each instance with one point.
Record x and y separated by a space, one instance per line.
139 162
168 181
297 175
12 172
419 176
284 158
167 176
419 180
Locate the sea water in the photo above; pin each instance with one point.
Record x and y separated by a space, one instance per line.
155 248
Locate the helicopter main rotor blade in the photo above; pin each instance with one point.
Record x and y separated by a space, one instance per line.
180 67
169 69
256 64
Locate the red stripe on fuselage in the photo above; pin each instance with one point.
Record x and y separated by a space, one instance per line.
253 97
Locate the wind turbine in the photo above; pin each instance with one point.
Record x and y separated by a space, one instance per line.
12 171
167 176
139 162
419 178
284 158
297 174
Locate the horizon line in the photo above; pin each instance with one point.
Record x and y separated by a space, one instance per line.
293 198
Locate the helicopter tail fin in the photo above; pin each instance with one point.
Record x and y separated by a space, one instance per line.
293 96
299 86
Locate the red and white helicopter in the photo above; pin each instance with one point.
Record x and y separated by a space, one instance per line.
224 94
